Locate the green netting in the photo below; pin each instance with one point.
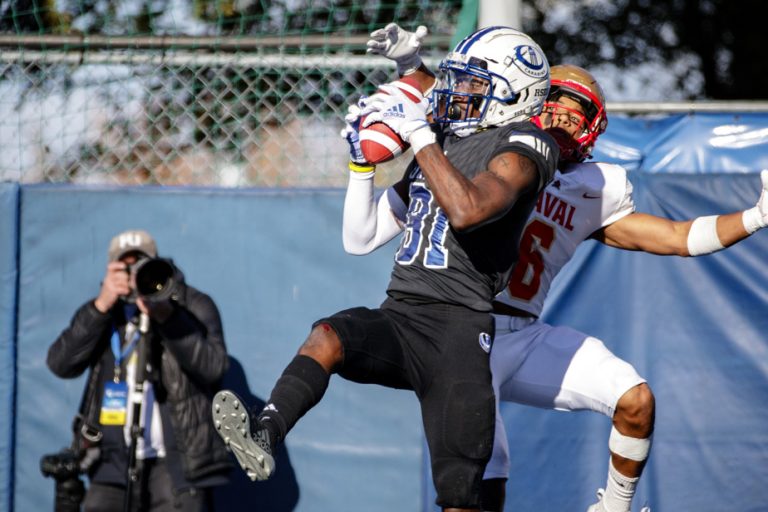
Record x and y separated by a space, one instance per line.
151 93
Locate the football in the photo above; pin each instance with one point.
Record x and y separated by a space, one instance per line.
377 141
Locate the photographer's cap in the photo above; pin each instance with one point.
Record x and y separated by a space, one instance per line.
132 240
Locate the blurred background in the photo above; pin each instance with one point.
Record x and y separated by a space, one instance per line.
214 124
249 93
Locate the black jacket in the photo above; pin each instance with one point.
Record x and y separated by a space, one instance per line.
187 359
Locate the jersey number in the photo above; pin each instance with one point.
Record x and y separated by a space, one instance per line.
419 215
526 276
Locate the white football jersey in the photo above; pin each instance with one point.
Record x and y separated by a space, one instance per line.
578 202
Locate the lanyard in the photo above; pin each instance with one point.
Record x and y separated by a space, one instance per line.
121 354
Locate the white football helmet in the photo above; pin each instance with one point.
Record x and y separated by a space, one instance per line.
493 77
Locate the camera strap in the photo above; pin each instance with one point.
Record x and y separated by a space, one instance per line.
120 352
81 425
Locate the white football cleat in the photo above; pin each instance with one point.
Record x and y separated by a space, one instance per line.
253 450
598 507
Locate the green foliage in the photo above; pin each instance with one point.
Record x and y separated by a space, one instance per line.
721 39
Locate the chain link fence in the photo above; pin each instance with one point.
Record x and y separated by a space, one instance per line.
209 110
180 117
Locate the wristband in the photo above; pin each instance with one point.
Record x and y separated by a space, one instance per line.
702 238
752 220
361 167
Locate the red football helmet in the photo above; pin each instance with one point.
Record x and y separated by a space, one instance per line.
575 124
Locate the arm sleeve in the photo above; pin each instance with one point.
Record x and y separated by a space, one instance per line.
369 224
618 190
74 349
194 335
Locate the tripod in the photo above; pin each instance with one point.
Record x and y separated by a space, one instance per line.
134 469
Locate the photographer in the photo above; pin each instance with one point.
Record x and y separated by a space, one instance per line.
172 447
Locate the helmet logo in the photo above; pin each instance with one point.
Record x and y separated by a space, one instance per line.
531 61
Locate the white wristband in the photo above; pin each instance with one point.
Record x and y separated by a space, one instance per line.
424 136
702 238
752 220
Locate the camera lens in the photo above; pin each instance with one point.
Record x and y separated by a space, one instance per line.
154 279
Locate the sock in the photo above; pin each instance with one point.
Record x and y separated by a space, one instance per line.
299 388
619 490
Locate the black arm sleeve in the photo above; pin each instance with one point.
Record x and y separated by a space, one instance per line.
194 335
78 345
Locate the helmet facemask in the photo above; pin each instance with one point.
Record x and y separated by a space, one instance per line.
465 91
494 77
573 114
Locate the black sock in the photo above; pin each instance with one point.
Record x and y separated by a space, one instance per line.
298 389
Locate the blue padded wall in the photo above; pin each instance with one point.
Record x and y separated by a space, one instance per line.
9 205
273 262
695 328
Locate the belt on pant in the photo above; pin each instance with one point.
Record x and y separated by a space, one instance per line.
500 308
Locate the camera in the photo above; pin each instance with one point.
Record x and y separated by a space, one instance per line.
155 279
64 468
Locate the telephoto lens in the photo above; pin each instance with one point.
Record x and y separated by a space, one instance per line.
155 279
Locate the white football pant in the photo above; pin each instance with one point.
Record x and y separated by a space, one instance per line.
552 367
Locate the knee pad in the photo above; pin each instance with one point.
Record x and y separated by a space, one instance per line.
629 447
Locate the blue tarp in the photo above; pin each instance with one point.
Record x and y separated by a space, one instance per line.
9 206
694 328
273 262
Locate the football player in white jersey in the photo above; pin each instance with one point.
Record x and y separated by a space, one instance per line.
556 367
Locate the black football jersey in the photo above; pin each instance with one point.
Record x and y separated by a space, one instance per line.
434 263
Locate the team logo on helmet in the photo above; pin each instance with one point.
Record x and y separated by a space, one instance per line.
530 61
493 77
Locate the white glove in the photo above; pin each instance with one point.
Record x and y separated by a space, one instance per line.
404 116
398 45
757 217
351 132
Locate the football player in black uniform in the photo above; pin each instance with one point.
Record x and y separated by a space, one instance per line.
475 177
